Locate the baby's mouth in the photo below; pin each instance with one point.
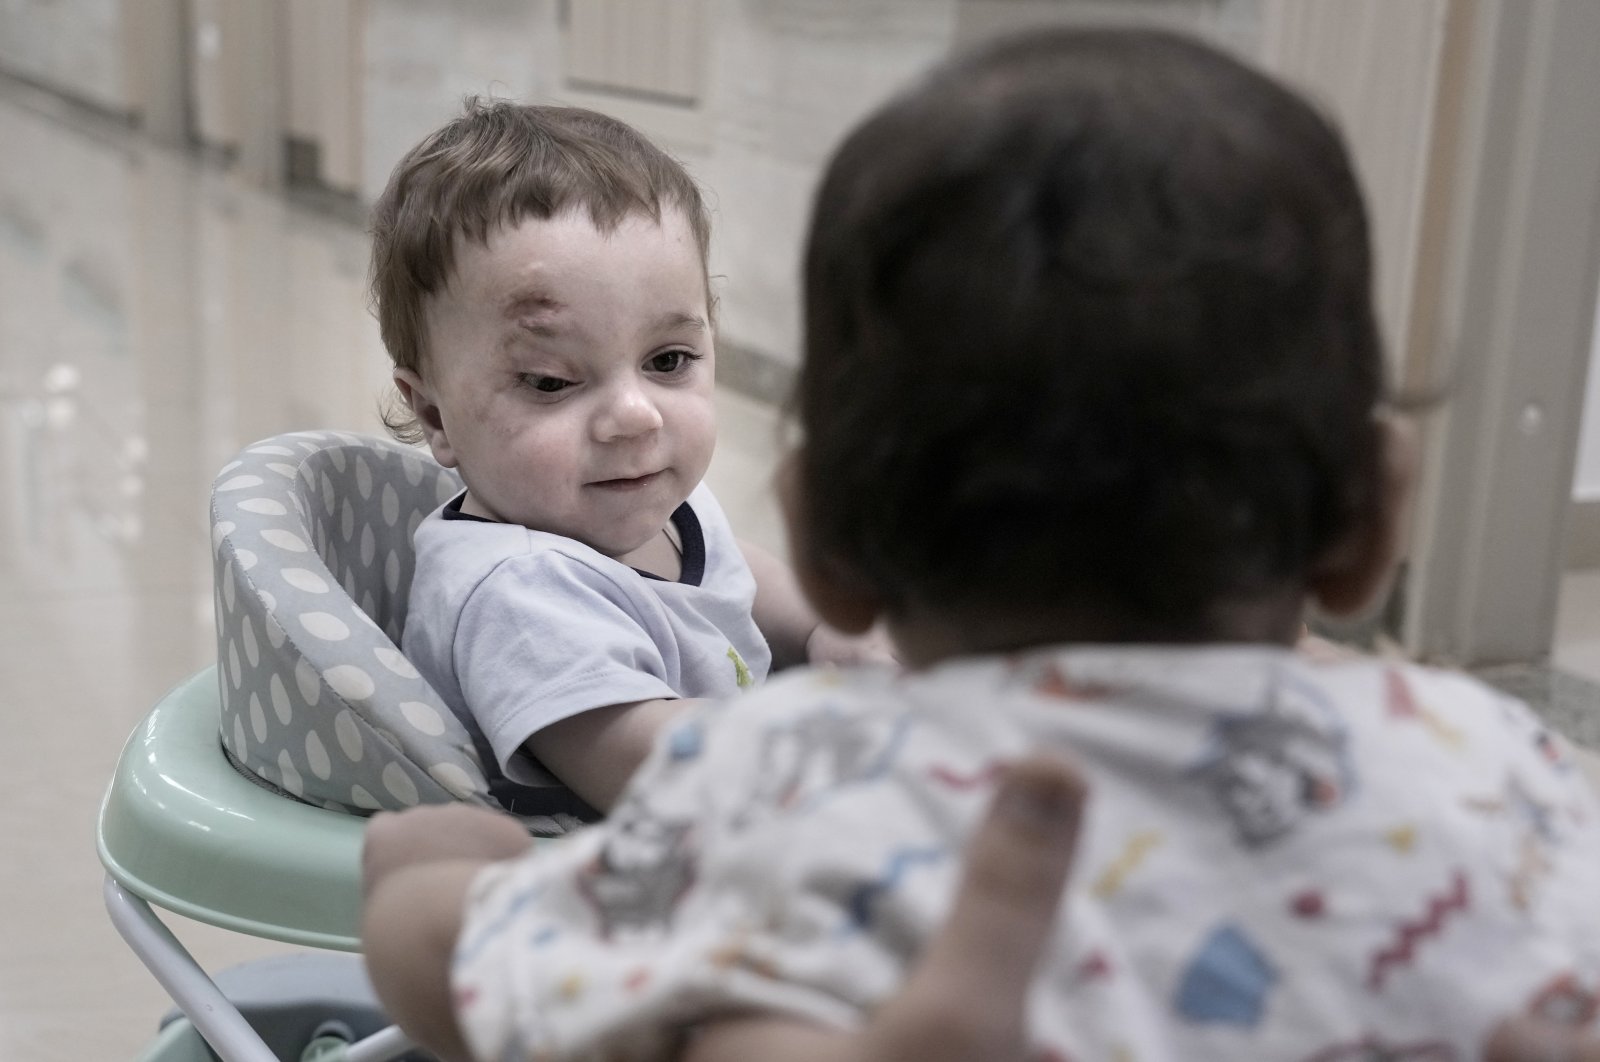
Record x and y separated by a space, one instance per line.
627 482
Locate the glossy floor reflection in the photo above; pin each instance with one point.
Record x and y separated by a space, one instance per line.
156 315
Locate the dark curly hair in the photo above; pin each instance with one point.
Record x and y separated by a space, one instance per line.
1088 320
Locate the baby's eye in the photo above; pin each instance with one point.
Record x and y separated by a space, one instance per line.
671 361
547 385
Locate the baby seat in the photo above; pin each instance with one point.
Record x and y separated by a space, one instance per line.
239 800
313 555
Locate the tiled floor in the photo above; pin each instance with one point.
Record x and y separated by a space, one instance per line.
154 317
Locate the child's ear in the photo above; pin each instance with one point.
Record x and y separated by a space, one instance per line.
1356 570
841 601
416 395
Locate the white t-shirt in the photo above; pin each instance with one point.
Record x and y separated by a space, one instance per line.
1282 858
517 629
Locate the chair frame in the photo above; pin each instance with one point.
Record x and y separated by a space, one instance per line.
172 790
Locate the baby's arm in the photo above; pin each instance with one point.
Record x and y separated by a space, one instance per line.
965 1001
792 628
596 752
409 926
416 867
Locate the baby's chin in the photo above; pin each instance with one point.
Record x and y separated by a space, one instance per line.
625 548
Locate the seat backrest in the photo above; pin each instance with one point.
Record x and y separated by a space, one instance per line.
313 560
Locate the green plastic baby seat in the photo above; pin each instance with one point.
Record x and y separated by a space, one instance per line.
183 829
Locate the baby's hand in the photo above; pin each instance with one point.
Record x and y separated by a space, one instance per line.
828 646
435 833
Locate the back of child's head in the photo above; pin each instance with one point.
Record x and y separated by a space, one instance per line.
499 164
1088 326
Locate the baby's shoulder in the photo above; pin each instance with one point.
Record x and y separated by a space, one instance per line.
1443 701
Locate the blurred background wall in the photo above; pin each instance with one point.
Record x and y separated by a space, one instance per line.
751 94
319 98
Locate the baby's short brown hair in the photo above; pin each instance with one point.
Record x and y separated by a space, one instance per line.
498 164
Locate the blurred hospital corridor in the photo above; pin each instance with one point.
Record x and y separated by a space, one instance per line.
163 305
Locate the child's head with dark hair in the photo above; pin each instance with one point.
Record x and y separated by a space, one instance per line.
540 281
498 163
1091 354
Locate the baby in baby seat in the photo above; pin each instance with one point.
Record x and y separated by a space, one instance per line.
541 283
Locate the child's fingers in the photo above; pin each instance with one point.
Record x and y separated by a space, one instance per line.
409 926
1015 869
1532 1040
967 997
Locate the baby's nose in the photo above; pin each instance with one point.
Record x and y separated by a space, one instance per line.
628 412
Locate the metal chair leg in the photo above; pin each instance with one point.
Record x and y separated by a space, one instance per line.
201 1001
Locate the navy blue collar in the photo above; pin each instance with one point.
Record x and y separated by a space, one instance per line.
683 518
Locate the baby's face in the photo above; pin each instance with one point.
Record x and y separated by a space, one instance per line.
572 372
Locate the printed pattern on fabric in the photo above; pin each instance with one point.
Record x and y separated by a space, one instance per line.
311 537
1284 856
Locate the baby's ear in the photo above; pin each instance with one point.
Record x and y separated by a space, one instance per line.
416 395
1356 569
841 600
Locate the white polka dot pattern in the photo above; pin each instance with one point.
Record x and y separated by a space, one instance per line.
247 634
289 778
240 483
302 579
423 717
397 663
350 682
311 533
305 678
452 778
280 700
322 625
317 756
401 787
287 540
348 732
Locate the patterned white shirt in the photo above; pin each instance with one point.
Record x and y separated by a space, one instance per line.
1283 857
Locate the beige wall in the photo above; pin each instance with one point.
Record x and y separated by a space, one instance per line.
782 81
756 100
71 46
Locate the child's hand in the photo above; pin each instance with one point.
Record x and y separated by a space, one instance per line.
966 1000
434 833
828 646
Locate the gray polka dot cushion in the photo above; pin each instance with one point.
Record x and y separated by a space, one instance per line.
312 536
